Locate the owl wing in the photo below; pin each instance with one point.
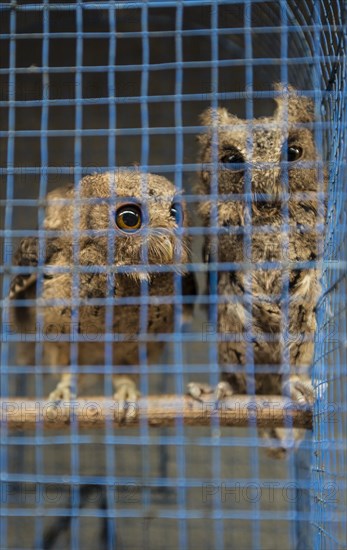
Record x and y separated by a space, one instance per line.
28 255
23 285
28 250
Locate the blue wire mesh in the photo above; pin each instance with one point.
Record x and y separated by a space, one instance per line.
89 86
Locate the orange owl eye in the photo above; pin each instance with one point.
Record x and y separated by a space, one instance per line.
129 218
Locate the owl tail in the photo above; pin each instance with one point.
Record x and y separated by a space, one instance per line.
288 440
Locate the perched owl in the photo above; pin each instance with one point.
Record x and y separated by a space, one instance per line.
268 209
111 238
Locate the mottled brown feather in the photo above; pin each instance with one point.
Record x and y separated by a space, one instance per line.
89 210
272 313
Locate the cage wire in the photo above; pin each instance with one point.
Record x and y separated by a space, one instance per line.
94 86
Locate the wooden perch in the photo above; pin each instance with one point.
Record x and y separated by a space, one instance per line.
157 411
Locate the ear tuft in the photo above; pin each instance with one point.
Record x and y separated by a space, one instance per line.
214 118
211 117
293 106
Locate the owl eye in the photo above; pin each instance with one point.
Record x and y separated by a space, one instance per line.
129 218
233 156
176 212
293 153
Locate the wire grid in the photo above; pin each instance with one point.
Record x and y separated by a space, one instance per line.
329 448
70 108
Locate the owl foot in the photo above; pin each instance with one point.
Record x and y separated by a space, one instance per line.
223 390
61 396
127 396
197 389
287 441
300 391
64 391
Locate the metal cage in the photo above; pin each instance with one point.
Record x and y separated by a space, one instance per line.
94 86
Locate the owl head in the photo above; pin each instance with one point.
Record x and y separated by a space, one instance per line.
265 156
134 218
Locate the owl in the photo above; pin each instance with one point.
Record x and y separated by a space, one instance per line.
114 241
262 188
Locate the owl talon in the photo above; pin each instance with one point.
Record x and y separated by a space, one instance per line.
300 391
197 389
63 392
127 396
223 390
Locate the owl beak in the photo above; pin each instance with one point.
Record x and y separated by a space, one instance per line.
166 248
266 181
